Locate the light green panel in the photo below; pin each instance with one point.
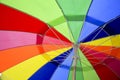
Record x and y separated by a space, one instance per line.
45 10
57 21
75 27
64 30
88 72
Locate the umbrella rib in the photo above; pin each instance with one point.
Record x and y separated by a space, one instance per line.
98 44
112 71
103 51
66 21
85 18
58 38
94 37
105 26
79 59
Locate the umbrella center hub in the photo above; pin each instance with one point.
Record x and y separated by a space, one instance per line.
76 48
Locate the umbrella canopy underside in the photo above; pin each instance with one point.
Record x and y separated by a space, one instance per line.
59 40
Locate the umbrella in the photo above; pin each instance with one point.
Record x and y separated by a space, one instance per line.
59 40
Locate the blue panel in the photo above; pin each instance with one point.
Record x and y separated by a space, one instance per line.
48 69
100 33
104 10
87 30
100 12
94 21
63 69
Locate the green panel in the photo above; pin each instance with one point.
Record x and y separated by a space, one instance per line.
79 73
75 17
45 10
64 30
75 27
88 72
74 7
75 12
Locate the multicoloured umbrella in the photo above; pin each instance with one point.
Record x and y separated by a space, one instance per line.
59 40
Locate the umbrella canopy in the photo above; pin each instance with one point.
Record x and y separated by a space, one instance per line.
59 40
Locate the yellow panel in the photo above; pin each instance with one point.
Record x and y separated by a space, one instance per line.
102 42
107 41
116 41
25 69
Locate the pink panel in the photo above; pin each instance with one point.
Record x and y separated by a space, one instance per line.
10 39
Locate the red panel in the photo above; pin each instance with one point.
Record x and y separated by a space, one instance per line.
39 39
105 73
12 19
53 41
53 33
100 63
113 64
90 56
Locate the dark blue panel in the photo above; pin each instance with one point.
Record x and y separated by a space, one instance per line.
113 27
99 33
48 69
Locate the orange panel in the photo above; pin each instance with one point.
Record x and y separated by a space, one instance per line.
48 47
116 53
11 57
106 49
113 51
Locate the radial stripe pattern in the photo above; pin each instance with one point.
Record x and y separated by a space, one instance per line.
59 40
